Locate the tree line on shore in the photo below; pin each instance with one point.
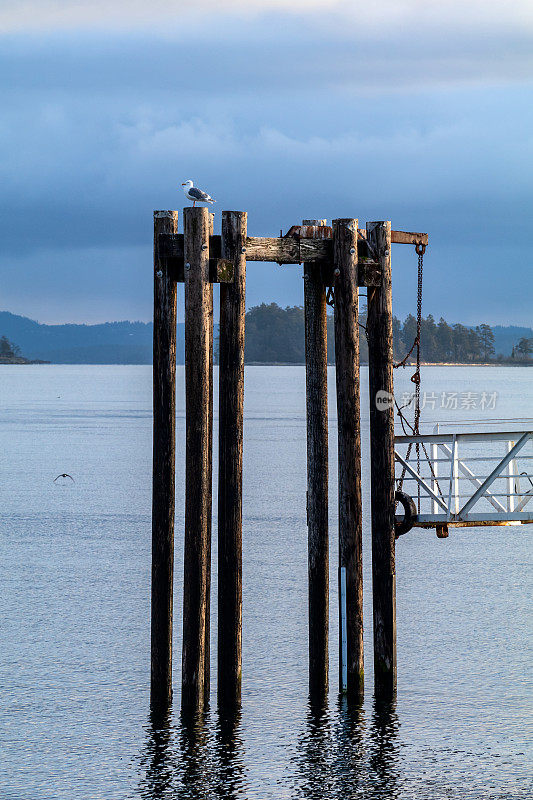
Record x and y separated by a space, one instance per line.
11 354
8 350
273 335
276 335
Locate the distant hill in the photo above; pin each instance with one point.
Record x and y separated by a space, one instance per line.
505 338
108 343
269 330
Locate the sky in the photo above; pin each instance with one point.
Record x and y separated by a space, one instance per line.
417 111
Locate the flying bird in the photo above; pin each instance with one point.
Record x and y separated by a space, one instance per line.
192 193
64 475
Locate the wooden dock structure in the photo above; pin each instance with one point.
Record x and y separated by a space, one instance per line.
336 261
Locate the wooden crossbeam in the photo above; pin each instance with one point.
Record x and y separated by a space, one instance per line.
279 250
282 250
404 237
288 250
326 232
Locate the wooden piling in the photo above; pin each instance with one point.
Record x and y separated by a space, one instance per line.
207 643
316 375
198 342
163 475
380 366
231 408
349 455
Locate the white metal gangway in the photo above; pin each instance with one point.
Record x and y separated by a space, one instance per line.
462 479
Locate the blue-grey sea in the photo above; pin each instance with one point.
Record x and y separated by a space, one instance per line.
75 609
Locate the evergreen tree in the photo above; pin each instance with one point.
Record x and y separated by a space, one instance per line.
397 343
486 336
429 349
445 340
408 332
274 334
277 335
525 347
8 349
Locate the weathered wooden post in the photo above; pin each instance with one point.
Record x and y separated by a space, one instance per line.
231 408
349 439
316 382
198 405
163 476
380 361
207 646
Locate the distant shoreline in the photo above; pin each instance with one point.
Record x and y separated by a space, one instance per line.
19 360
407 366
39 362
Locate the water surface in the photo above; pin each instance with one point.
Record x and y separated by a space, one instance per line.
74 706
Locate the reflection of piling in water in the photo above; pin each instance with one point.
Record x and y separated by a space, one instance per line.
230 769
384 751
158 780
314 760
343 756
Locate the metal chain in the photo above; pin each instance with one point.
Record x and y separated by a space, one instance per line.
415 378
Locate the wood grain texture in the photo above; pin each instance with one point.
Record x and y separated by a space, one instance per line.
207 643
316 384
380 371
407 237
349 443
198 343
231 410
163 474
288 251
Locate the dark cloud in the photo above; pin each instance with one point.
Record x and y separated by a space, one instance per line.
98 130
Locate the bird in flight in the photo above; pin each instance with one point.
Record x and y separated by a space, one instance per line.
65 475
192 193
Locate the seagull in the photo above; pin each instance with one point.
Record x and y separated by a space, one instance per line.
64 475
194 194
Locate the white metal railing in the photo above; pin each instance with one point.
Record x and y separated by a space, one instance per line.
468 477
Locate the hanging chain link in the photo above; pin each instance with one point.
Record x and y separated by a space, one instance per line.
420 249
415 378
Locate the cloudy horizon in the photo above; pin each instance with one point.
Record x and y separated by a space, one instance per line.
416 112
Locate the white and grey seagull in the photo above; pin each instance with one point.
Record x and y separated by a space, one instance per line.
192 193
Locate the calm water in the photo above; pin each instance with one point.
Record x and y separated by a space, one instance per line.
74 711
